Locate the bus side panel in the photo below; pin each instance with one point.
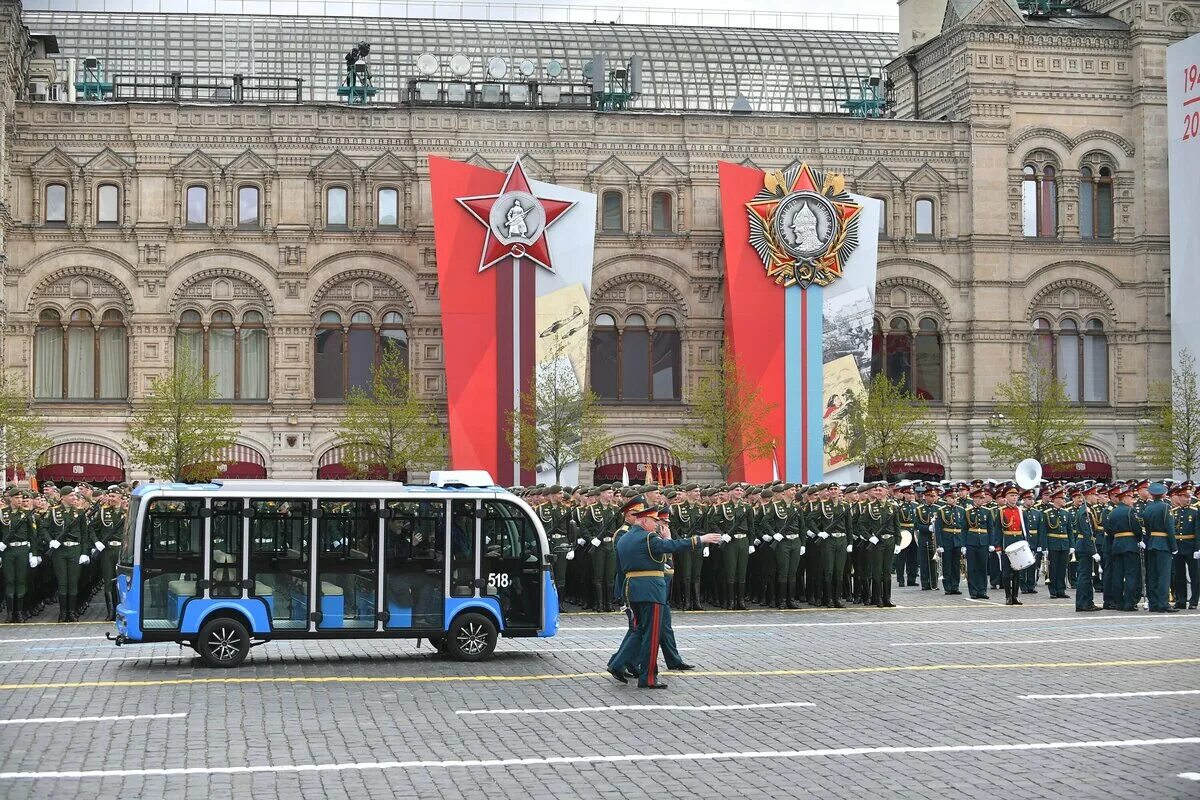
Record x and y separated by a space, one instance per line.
129 606
549 606
197 610
456 605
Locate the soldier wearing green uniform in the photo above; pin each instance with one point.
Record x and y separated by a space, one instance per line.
881 526
110 522
554 521
1086 528
906 560
683 521
789 546
18 541
71 537
979 540
1123 530
1060 544
949 526
1186 565
828 522
926 543
735 524
1035 527
1160 545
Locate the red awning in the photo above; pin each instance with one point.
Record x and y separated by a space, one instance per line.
1090 463
76 462
241 461
925 465
331 468
636 459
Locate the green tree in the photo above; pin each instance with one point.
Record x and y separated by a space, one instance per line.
885 424
1171 437
22 437
178 433
560 420
726 420
389 427
1034 419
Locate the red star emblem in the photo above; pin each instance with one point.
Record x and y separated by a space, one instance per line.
502 243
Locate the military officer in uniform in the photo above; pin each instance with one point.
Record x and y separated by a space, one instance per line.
18 540
735 552
881 523
979 541
949 525
907 565
1160 546
1035 529
1124 532
925 545
828 520
1187 567
1088 526
1013 526
1060 545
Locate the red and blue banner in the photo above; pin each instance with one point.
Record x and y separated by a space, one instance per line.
800 266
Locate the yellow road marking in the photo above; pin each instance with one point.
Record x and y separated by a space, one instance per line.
769 673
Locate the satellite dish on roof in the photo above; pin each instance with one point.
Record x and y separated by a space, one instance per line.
460 65
526 67
427 63
554 68
497 67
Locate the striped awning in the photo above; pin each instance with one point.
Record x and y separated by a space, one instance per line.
241 461
1090 463
333 455
637 454
73 462
925 465
243 453
330 467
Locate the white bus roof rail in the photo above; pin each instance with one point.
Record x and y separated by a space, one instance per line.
461 477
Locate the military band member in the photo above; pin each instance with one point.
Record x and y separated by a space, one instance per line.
1159 546
949 524
1012 530
1186 563
1035 529
907 559
980 539
926 543
1123 530
1060 545
1088 529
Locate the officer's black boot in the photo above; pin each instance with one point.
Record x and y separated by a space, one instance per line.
877 591
728 604
791 591
62 608
887 595
108 607
740 604
17 610
12 608
695 606
69 609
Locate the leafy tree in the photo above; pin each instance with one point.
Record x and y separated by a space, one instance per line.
727 420
1171 437
560 420
886 424
1034 419
22 438
178 433
389 428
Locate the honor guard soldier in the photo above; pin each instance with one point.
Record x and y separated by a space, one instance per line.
110 524
979 539
1012 530
1123 530
1187 567
926 543
1160 546
554 521
1088 528
906 560
1060 545
70 535
789 546
735 552
682 522
882 526
18 540
828 521
949 525
597 524
1074 504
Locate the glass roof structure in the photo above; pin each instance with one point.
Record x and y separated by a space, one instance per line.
685 69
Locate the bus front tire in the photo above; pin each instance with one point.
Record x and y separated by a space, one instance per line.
223 642
472 637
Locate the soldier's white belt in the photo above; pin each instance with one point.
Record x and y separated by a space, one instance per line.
17 544
740 535
115 543
70 544
837 535
885 536
606 539
791 536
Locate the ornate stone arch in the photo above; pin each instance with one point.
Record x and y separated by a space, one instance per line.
1036 133
354 287
225 285
1107 136
918 295
72 284
659 293
1073 296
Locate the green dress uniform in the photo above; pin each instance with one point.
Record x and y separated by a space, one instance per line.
18 534
829 522
1186 567
72 538
949 527
906 560
597 524
736 524
1159 526
110 523
860 553
764 559
1087 526
979 538
1059 543
683 525
789 547
1035 527
554 522
882 524
1123 530
925 544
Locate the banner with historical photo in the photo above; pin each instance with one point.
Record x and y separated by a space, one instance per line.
801 255
514 258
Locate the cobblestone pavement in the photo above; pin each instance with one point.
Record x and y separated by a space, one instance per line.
932 699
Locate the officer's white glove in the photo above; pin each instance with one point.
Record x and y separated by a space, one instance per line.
579 541
725 537
1196 555
964 551
995 549
34 561
849 548
99 547
778 537
1039 550
1141 545
810 534
706 551
54 544
570 555
897 551
595 542
1071 552
83 559
874 540
751 549
1174 552
941 550
1096 557
756 541
823 535
803 549
3 547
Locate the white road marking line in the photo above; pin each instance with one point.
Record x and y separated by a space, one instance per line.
190 654
965 621
594 759
601 709
114 718
1189 776
52 639
1106 695
1028 641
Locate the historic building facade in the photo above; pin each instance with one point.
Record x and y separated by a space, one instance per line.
281 247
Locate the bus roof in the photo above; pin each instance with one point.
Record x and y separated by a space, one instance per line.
315 488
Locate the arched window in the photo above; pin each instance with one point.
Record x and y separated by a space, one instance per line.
108 206
81 355
883 217
612 218
1095 363
345 358
634 361
56 204
1039 197
48 346
222 356
913 360
113 356
197 205
927 361
393 338
661 220
924 218
189 342
1095 202
899 353
335 206
248 214
328 369
877 348
1042 346
1068 356
80 361
360 351
388 208
1078 359
252 362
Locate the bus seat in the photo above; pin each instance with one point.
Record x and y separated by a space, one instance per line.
330 589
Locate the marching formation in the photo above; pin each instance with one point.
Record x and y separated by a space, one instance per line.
826 545
60 547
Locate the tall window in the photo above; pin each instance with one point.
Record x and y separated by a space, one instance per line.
197 205
248 214
108 211
913 359
1095 203
635 361
56 204
345 356
883 217
81 360
612 218
660 213
388 208
1078 359
232 355
923 218
1039 200
335 206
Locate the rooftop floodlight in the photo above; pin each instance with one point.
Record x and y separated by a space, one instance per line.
873 80
91 63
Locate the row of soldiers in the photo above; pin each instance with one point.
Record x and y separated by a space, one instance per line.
60 546
828 545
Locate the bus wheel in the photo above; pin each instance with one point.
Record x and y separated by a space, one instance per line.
472 637
223 642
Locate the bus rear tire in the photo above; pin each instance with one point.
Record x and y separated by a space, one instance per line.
472 637
223 642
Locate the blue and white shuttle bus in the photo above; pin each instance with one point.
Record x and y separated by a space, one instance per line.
227 565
